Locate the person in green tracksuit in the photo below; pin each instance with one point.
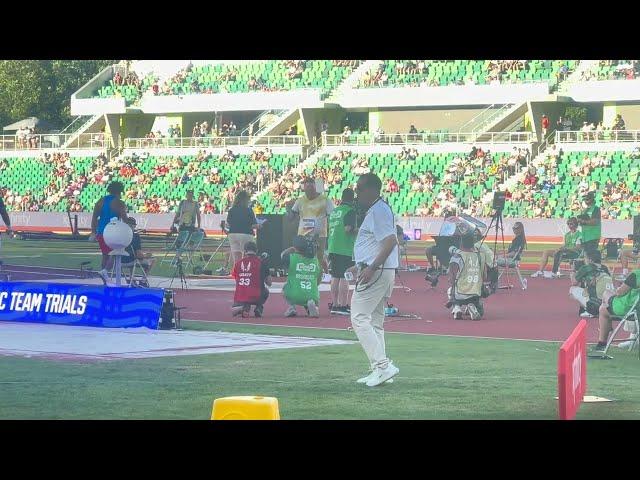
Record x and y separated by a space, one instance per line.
590 223
617 304
305 273
570 251
342 238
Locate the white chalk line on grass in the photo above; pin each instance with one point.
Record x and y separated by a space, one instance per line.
442 378
386 331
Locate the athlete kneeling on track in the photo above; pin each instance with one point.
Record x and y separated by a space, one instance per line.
252 277
466 277
303 278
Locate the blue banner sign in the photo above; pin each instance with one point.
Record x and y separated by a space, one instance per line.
85 305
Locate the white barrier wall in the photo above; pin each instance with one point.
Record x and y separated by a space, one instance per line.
44 221
94 106
232 102
443 96
605 91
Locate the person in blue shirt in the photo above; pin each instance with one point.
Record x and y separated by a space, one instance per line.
104 210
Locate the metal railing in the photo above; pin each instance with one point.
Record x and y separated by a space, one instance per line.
605 136
76 124
427 138
495 116
216 142
506 81
256 122
53 141
479 118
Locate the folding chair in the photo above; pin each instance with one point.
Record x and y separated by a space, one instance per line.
191 248
223 249
567 267
515 265
181 239
631 316
132 278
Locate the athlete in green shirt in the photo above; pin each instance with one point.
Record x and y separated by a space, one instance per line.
303 278
342 237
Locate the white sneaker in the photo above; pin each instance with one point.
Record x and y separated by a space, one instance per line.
587 315
547 274
313 309
626 344
291 311
539 273
369 377
104 274
382 375
473 311
457 312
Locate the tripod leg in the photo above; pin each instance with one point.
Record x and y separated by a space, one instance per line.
504 252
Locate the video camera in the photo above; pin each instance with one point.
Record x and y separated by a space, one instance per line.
499 200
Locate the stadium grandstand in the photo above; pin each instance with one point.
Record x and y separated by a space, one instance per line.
446 137
443 135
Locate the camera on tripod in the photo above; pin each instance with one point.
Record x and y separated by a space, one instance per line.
169 314
499 199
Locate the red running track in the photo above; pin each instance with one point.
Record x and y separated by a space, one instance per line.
542 312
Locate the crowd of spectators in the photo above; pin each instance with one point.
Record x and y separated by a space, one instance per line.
617 70
496 72
27 138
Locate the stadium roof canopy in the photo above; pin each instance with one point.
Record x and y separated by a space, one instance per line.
31 122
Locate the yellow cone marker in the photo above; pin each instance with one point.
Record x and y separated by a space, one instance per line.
245 408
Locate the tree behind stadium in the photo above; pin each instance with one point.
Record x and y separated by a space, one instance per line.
43 88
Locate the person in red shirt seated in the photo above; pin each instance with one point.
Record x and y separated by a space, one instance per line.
252 277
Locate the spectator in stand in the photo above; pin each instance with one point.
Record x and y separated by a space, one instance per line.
392 186
530 178
618 123
346 133
545 126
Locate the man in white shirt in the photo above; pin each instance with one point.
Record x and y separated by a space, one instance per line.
376 257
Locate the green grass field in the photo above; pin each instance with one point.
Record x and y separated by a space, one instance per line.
440 377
